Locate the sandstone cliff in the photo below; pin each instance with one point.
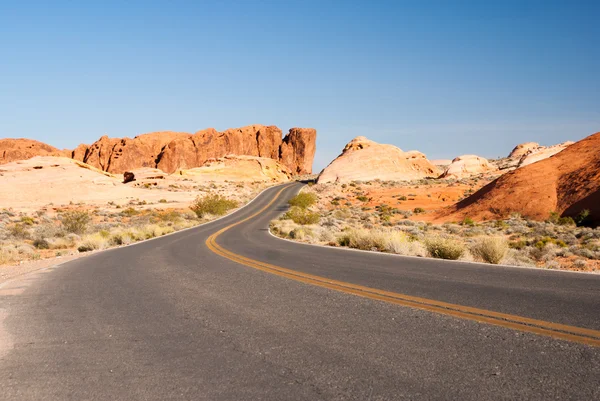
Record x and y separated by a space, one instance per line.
172 151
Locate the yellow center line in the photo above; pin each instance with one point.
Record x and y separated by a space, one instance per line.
556 330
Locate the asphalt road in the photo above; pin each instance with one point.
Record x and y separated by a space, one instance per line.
170 319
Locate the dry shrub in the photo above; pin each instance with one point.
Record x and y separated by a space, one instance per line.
75 221
490 249
216 205
444 248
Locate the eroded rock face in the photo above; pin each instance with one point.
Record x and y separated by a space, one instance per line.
172 151
364 160
194 150
23 149
467 166
297 150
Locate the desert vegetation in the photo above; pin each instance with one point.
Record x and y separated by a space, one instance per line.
56 231
342 220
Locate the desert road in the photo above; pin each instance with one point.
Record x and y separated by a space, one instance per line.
225 311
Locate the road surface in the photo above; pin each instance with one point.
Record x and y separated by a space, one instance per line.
225 311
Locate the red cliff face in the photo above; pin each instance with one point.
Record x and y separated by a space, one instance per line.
194 150
170 151
297 150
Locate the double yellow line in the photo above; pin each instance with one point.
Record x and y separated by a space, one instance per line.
556 330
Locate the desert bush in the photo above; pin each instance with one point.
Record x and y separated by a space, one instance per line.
91 243
418 210
303 200
467 221
28 221
490 249
444 248
216 205
364 239
19 231
301 216
399 243
583 217
75 221
41 243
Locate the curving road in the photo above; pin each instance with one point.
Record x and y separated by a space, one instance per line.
225 311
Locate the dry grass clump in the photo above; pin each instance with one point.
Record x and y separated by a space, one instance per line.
444 248
490 249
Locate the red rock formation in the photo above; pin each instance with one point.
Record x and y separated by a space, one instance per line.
297 150
194 150
171 151
567 183
22 149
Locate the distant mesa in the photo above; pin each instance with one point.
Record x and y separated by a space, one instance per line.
566 183
467 166
363 160
172 151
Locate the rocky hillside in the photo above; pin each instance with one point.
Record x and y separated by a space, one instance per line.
23 149
172 151
567 182
363 159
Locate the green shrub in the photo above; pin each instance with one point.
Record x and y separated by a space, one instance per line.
562 221
303 200
418 210
362 198
467 221
402 198
302 216
216 205
583 217
490 249
28 221
162 201
443 248
75 221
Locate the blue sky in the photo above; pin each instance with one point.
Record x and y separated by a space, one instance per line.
443 77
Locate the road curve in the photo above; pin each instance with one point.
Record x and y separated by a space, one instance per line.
225 311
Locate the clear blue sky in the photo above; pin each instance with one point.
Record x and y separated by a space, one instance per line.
442 77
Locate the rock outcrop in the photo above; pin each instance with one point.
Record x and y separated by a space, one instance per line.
172 151
523 149
542 153
297 150
567 183
143 174
23 149
240 168
363 159
467 166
